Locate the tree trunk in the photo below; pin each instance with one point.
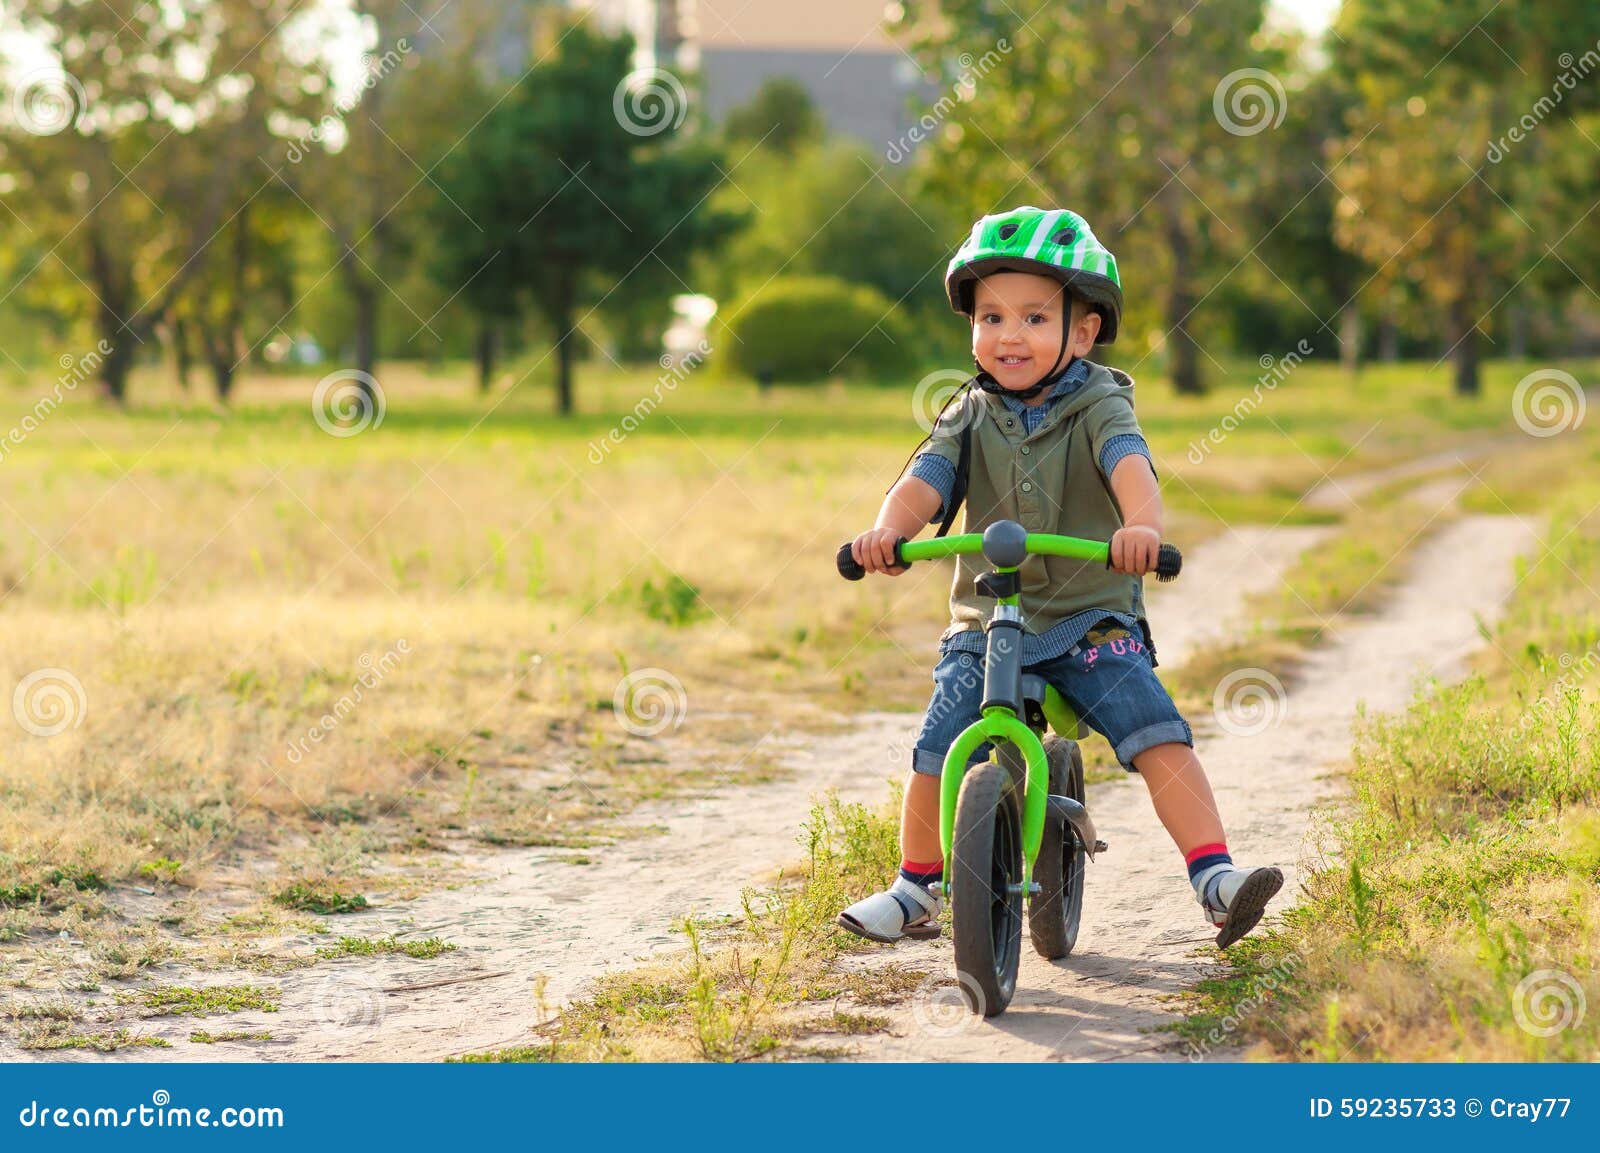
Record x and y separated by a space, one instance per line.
564 364
1183 361
1465 332
366 329
1388 340
1518 349
486 351
182 356
114 369
222 376
1350 339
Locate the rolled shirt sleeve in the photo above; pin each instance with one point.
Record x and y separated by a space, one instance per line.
940 472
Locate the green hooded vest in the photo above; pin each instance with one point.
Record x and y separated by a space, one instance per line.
1049 481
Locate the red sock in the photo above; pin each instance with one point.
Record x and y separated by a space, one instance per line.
1203 857
923 874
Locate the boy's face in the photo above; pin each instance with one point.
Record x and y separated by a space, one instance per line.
1016 327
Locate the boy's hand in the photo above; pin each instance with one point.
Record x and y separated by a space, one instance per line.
874 551
1135 548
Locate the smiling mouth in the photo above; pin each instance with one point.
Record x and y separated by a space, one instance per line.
1013 361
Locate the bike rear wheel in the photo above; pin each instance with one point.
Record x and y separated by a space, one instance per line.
986 889
1055 910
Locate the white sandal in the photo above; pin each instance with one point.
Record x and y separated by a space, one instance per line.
905 909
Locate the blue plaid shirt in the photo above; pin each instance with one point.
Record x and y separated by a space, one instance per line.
1066 636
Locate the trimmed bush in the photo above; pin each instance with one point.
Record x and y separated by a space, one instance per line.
809 328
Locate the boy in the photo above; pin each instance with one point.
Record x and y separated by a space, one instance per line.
1055 446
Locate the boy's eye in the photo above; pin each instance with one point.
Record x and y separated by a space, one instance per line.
1036 317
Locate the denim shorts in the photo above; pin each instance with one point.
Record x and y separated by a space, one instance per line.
1108 680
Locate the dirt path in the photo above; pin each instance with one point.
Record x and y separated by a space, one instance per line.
1141 925
540 927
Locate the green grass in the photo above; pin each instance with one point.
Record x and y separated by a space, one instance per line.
54 1037
201 1037
1459 915
322 899
181 1000
425 949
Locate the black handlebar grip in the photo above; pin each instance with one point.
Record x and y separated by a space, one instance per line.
851 571
1169 562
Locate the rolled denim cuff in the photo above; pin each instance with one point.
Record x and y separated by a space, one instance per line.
931 764
1161 733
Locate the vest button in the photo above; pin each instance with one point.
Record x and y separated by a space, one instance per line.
1026 450
1027 486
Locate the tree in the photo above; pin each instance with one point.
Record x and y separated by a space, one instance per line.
1110 110
577 183
128 151
1431 205
781 116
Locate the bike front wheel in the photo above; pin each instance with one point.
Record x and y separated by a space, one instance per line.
986 889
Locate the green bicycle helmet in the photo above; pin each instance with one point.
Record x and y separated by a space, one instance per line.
1048 242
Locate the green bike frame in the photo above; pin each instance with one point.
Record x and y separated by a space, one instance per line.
1000 723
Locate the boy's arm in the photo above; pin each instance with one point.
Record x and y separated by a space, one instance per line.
1137 543
909 506
907 509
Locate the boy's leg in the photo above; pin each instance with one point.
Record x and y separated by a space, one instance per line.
908 907
1113 686
919 822
1181 795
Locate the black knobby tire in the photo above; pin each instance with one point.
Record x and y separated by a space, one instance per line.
1055 910
986 897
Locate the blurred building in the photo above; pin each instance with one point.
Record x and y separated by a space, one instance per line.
861 81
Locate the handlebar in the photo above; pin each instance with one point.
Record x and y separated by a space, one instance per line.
1169 561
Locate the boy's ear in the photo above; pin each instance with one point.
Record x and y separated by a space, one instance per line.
1086 325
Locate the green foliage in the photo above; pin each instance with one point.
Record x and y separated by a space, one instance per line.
674 602
809 328
423 950
780 116
573 192
320 898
